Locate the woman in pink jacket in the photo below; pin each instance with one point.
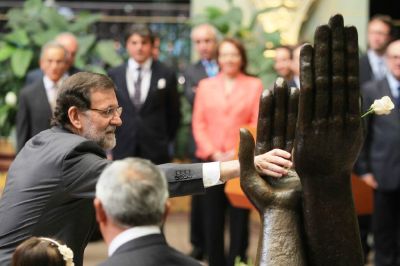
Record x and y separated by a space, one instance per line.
222 105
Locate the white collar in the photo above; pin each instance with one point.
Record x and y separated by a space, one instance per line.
49 84
130 234
132 64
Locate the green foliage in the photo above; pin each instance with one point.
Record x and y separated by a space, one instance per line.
230 24
29 28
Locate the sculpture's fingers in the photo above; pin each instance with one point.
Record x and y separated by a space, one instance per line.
279 124
353 87
306 101
292 110
264 123
322 57
338 70
246 154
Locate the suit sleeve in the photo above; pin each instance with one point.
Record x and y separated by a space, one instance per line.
23 125
82 168
189 87
173 108
362 165
183 179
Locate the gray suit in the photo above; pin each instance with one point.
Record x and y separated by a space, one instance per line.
50 189
34 112
193 75
381 157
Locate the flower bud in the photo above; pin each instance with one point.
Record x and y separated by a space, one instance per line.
11 98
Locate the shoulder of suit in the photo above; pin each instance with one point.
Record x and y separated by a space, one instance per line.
117 69
33 87
372 85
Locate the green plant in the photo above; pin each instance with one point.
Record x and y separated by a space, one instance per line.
229 23
29 28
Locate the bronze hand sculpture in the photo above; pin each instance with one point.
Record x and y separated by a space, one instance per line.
328 140
277 200
328 136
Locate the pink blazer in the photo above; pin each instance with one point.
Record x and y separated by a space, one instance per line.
217 117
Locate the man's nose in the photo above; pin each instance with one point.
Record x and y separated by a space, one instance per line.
116 120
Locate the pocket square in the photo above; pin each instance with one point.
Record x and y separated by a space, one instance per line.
161 84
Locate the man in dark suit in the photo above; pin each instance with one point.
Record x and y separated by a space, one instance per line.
283 62
51 183
372 64
37 101
130 223
70 43
147 90
373 67
204 38
378 164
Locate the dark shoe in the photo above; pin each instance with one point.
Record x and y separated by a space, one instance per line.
197 253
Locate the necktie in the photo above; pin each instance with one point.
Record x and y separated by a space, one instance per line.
137 84
211 68
53 100
381 70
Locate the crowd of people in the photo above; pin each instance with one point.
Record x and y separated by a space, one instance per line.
73 122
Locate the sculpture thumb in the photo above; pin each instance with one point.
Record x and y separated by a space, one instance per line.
246 154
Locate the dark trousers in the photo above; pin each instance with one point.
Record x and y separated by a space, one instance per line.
197 224
386 228
365 226
216 208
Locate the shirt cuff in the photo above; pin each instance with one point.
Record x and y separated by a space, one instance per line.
211 174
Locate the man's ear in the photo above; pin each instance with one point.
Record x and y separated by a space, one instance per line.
166 211
101 216
75 117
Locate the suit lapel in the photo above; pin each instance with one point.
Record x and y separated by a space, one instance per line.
44 101
201 70
155 76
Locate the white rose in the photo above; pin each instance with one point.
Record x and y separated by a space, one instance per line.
382 106
11 98
161 84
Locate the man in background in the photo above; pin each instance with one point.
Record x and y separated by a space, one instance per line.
130 223
70 43
147 90
378 164
295 67
204 38
372 64
37 101
283 62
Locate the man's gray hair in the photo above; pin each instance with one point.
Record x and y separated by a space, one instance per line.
133 192
52 44
209 27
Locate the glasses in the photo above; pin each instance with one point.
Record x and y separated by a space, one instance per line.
109 112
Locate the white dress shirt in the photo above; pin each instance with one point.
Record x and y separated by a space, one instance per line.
132 75
378 64
52 88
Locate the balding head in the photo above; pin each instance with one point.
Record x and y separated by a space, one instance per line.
204 36
393 58
70 43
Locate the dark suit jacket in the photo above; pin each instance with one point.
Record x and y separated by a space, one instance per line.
365 69
193 75
36 74
147 132
381 152
34 112
50 189
150 250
